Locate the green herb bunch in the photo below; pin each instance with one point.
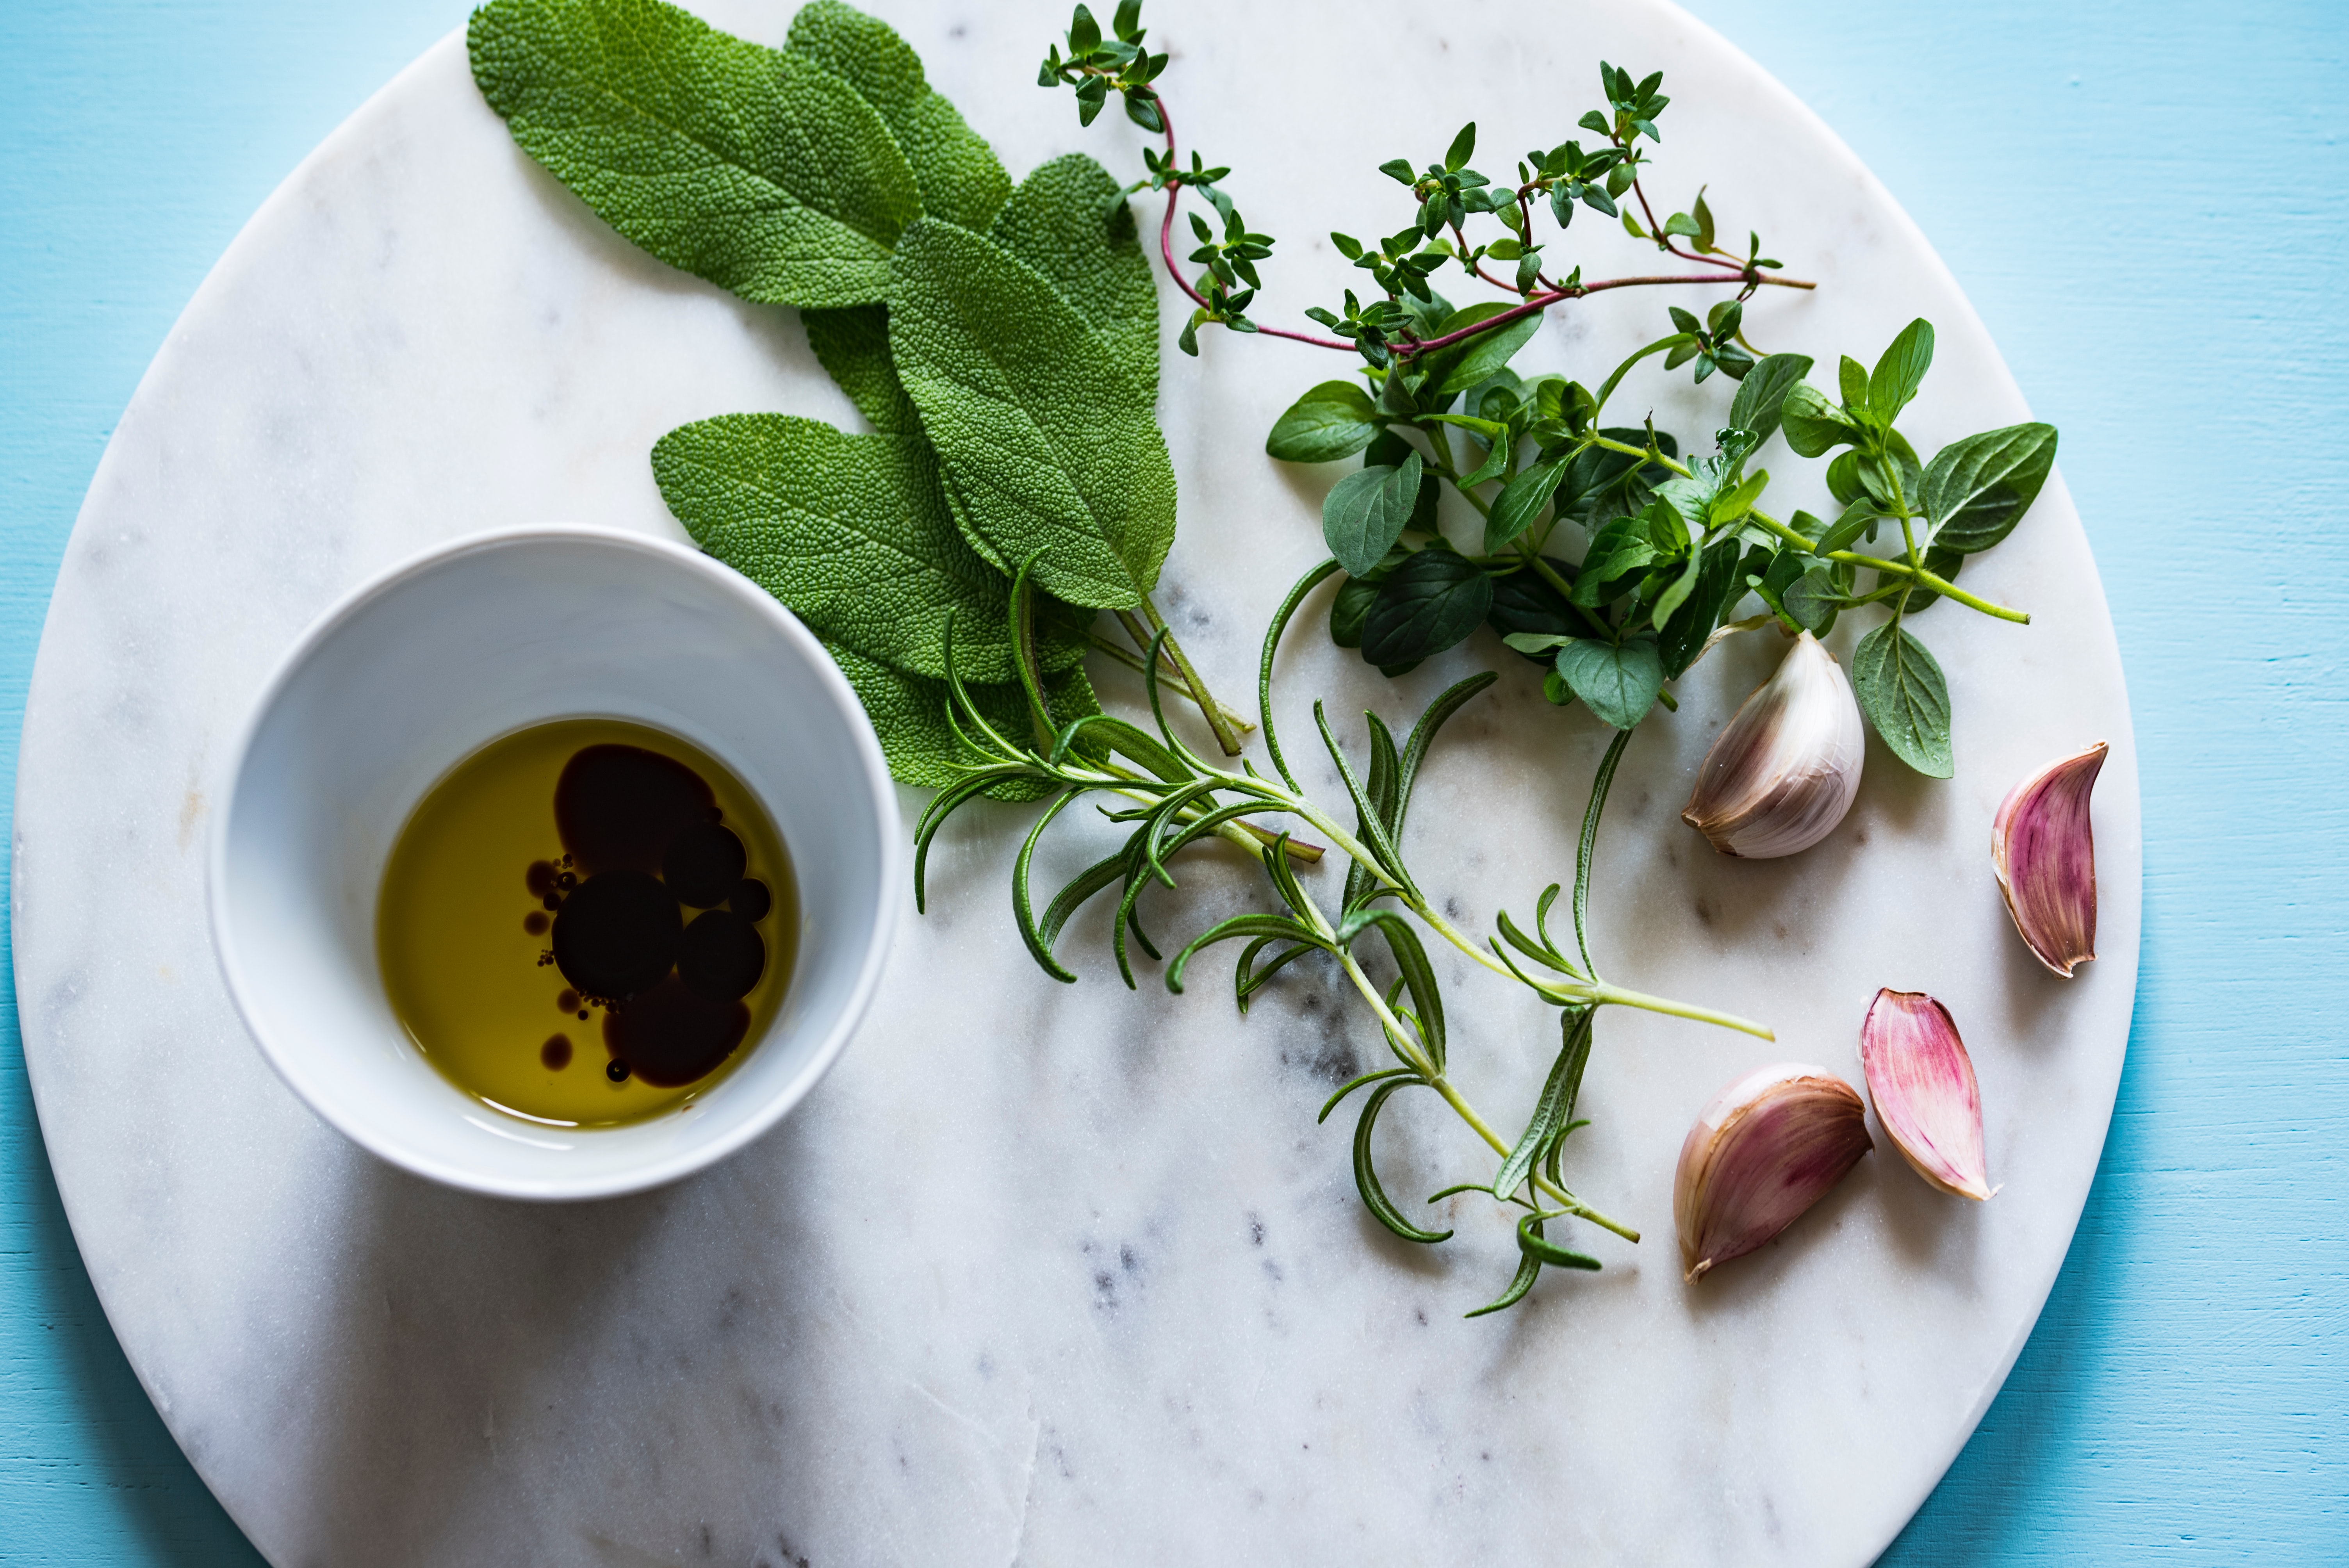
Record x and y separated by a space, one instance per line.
1001 340
1669 548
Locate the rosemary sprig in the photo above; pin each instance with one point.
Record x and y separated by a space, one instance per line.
1175 798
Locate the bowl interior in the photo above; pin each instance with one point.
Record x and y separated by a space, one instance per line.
416 672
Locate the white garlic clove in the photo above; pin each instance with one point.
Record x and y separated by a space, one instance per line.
1787 769
1923 1085
1763 1150
2043 849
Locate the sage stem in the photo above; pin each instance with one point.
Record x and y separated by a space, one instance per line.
1208 706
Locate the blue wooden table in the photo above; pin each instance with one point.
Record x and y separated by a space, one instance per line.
2150 204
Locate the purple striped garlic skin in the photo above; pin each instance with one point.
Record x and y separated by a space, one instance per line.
1923 1085
1763 1150
2045 850
1785 769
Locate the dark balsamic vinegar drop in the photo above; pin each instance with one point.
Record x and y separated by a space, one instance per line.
617 807
720 957
702 865
750 899
617 936
555 1052
670 1037
535 922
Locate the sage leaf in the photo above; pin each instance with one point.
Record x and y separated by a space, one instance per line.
957 175
1430 602
852 534
1366 511
852 346
1333 421
1618 683
1763 394
1045 451
753 168
1069 219
1902 690
909 714
1977 489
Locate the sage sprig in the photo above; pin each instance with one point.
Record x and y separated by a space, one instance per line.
1001 339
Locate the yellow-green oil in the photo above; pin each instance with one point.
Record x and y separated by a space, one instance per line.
463 944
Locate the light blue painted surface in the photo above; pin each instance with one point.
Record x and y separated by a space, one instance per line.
2148 204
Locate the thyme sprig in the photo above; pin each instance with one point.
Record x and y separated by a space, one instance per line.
1175 798
1447 195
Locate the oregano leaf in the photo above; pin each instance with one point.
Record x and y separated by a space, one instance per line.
1617 682
1901 689
1975 490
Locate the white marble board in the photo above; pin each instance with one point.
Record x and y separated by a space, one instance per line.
1047 1274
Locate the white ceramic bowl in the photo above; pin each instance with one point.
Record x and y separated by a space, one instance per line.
423 666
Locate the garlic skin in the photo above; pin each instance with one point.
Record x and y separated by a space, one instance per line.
1763 1150
2043 849
1787 769
1923 1085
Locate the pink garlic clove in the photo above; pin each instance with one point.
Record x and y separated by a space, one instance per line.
1786 769
1923 1085
2045 851
1763 1150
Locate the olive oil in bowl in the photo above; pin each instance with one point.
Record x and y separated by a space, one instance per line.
586 923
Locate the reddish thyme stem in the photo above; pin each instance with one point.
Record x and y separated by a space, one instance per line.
1167 245
1533 304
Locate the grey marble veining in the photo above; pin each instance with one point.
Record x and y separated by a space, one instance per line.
1042 1274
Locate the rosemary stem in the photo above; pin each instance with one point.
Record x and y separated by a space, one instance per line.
1602 993
1200 693
1458 1101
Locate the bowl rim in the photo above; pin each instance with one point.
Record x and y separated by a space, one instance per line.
875 939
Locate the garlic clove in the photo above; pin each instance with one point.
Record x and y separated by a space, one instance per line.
1763 1150
1923 1085
2043 849
1787 769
